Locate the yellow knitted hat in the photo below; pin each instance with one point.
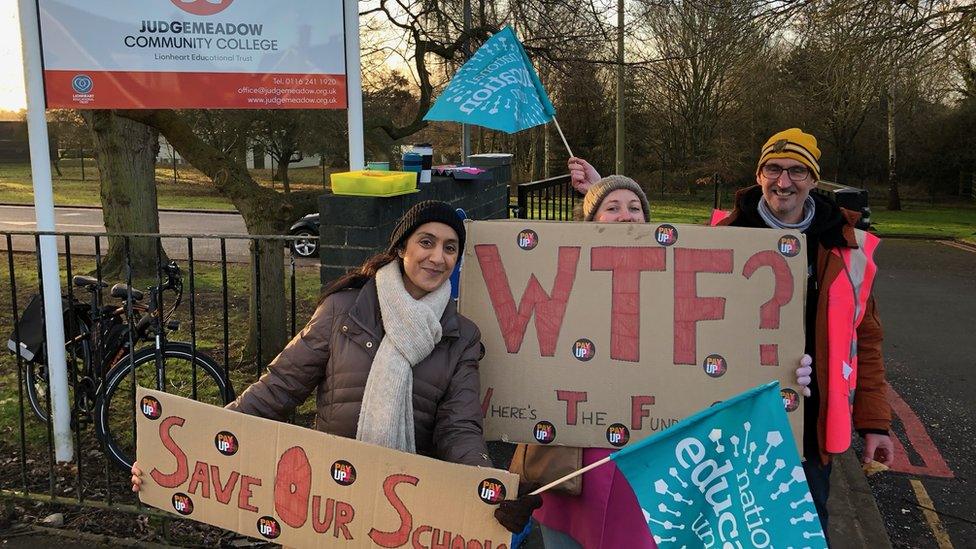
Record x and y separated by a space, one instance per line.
795 145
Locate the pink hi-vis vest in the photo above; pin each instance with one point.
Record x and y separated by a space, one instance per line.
847 299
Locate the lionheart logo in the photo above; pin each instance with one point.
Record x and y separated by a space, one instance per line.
666 235
150 407
544 432
182 503
202 7
269 527
343 473
791 400
491 491
82 84
789 245
584 350
226 443
715 365
527 239
725 489
618 435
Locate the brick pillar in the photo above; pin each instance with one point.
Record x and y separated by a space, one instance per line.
353 228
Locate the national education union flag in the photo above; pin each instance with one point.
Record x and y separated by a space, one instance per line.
497 88
728 476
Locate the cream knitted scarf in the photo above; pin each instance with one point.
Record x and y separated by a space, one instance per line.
413 327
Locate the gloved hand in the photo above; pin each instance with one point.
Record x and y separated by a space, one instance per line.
803 374
514 514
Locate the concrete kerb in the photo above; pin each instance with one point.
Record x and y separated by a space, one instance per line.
855 521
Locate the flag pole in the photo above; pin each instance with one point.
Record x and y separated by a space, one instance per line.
574 474
563 136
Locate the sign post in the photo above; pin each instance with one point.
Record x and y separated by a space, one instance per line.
179 54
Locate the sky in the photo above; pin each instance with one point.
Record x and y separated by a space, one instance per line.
12 95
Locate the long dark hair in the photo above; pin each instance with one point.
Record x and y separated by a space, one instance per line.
358 277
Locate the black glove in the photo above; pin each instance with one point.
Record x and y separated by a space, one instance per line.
514 514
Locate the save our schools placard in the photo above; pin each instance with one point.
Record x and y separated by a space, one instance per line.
600 334
303 488
725 477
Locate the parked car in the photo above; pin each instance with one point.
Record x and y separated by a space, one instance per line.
851 198
308 228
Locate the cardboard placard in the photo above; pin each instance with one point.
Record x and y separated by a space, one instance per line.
303 488
598 334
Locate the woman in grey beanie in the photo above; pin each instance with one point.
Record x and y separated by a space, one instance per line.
615 199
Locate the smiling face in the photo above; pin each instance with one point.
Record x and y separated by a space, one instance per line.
784 196
429 256
620 206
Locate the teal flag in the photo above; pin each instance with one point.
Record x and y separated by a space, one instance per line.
497 88
728 476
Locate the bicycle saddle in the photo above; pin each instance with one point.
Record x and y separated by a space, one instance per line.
89 282
122 291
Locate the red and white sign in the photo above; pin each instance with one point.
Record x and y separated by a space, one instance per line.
226 54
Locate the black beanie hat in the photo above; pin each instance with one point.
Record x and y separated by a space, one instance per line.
426 212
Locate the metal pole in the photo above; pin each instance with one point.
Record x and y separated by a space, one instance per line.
44 216
354 86
466 129
620 87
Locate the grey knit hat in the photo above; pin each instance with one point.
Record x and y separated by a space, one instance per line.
599 190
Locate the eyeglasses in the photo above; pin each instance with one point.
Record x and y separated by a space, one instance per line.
797 174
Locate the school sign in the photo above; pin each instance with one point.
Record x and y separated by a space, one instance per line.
221 54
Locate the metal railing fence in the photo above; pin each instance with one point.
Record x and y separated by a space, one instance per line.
204 340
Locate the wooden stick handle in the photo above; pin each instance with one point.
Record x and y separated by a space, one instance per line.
574 474
563 136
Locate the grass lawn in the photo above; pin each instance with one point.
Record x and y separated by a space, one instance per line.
925 219
190 190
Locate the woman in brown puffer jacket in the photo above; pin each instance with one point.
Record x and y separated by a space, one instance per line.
389 358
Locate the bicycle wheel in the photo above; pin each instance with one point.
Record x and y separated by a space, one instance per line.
77 354
197 377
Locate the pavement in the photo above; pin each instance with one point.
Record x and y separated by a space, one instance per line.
855 521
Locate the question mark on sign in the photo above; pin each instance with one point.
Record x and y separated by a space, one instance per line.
769 311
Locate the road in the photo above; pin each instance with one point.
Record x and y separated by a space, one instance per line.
927 298
89 220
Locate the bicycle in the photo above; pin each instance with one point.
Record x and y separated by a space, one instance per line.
102 350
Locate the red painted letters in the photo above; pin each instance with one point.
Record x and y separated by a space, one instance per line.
782 294
401 535
689 307
626 263
293 483
177 477
549 311
572 399
638 412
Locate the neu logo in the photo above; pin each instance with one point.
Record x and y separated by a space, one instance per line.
202 7
269 527
226 443
791 400
491 491
343 473
544 432
182 503
715 365
618 435
151 408
666 235
82 84
527 239
789 245
584 350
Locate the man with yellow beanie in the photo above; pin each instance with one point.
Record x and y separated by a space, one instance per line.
843 333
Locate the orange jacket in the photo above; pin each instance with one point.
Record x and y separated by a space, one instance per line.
871 411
